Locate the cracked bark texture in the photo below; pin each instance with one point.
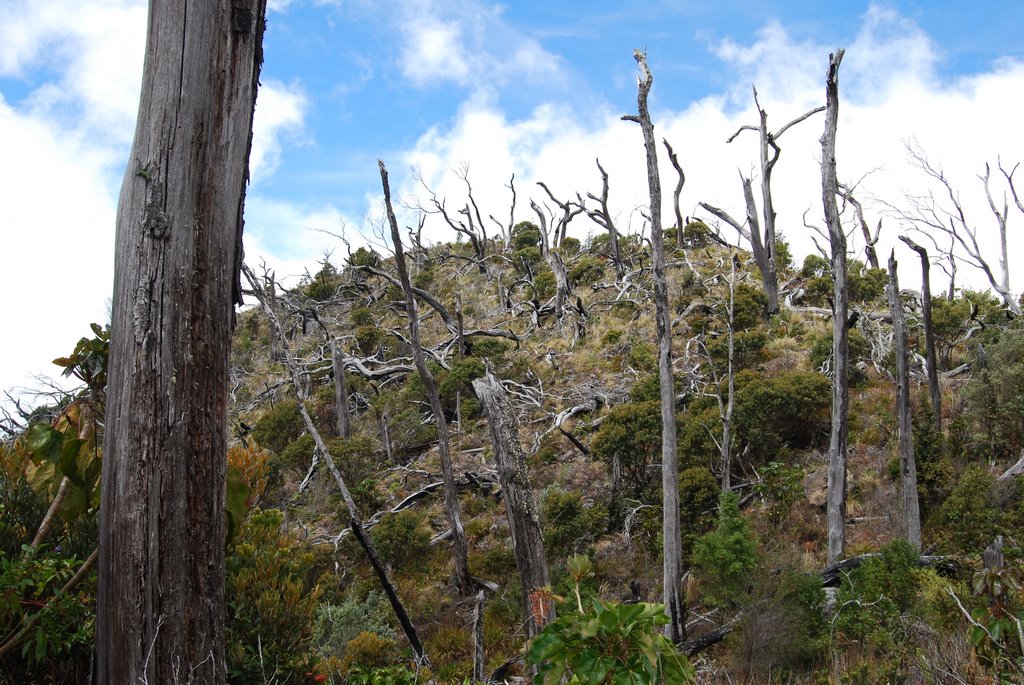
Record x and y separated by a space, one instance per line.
161 597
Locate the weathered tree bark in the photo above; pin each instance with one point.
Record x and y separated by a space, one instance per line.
555 262
869 240
672 562
275 346
726 411
603 218
479 660
680 182
321 452
908 470
340 390
836 510
929 332
160 603
764 247
527 542
451 495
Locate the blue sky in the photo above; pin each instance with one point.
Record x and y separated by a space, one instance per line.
534 88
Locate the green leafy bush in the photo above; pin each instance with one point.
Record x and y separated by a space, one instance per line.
568 524
969 517
402 539
279 427
698 501
586 270
791 409
876 602
271 605
614 643
631 436
724 559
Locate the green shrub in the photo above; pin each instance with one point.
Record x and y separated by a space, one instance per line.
781 487
698 501
525 234
968 516
571 246
696 234
543 286
586 270
749 306
279 427
860 350
995 397
337 624
368 652
402 539
791 409
361 316
271 606
630 436
568 524
877 602
724 559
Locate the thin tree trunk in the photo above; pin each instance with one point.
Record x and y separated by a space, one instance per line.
161 593
836 510
730 403
603 217
479 660
680 182
908 470
672 563
523 522
929 332
451 495
340 390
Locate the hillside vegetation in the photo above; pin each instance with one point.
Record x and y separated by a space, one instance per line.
305 605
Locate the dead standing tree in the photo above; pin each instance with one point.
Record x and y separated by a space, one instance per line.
762 246
523 522
161 596
929 332
908 469
675 607
836 499
933 217
451 495
602 216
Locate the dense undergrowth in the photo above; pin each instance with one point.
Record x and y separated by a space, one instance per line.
304 605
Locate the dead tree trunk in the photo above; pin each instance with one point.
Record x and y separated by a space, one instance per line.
672 563
929 332
275 346
908 470
603 218
321 452
764 247
869 240
161 595
451 495
552 256
527 543
836 513
340 389
680 182
726 412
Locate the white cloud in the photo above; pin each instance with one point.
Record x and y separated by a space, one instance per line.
469 44
95 50
57 218
280 112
